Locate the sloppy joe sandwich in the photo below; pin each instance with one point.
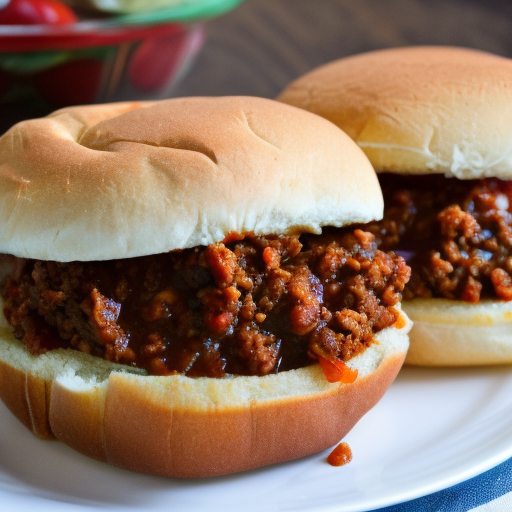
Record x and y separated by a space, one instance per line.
436 123
187 294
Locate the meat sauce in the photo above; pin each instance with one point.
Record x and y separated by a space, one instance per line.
456 235
340 455
249 306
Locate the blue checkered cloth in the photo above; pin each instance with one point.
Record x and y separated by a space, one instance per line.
489 492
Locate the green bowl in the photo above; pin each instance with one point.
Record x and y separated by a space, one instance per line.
123 57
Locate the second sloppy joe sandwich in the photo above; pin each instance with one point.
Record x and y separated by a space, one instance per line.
185 293
436 123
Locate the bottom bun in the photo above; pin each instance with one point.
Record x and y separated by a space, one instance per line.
455 333
182 427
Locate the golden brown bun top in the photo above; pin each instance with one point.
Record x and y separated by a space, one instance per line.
128 179
418 110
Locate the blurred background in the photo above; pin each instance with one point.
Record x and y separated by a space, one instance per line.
116 50
264 44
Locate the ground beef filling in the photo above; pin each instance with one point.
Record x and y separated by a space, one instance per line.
253 306
455 234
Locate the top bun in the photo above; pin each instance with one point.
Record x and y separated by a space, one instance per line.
131 179
418 110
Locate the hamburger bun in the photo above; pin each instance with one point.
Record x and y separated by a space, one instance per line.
427 110
418 110
130 179
455 333
183 427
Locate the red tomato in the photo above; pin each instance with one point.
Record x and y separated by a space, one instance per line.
36 12
157 60
73 83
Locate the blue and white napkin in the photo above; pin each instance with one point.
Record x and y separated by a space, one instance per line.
488 492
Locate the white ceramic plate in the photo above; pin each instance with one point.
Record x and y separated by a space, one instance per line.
433 429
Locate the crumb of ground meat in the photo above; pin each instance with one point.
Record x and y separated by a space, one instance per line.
455 234
251 306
